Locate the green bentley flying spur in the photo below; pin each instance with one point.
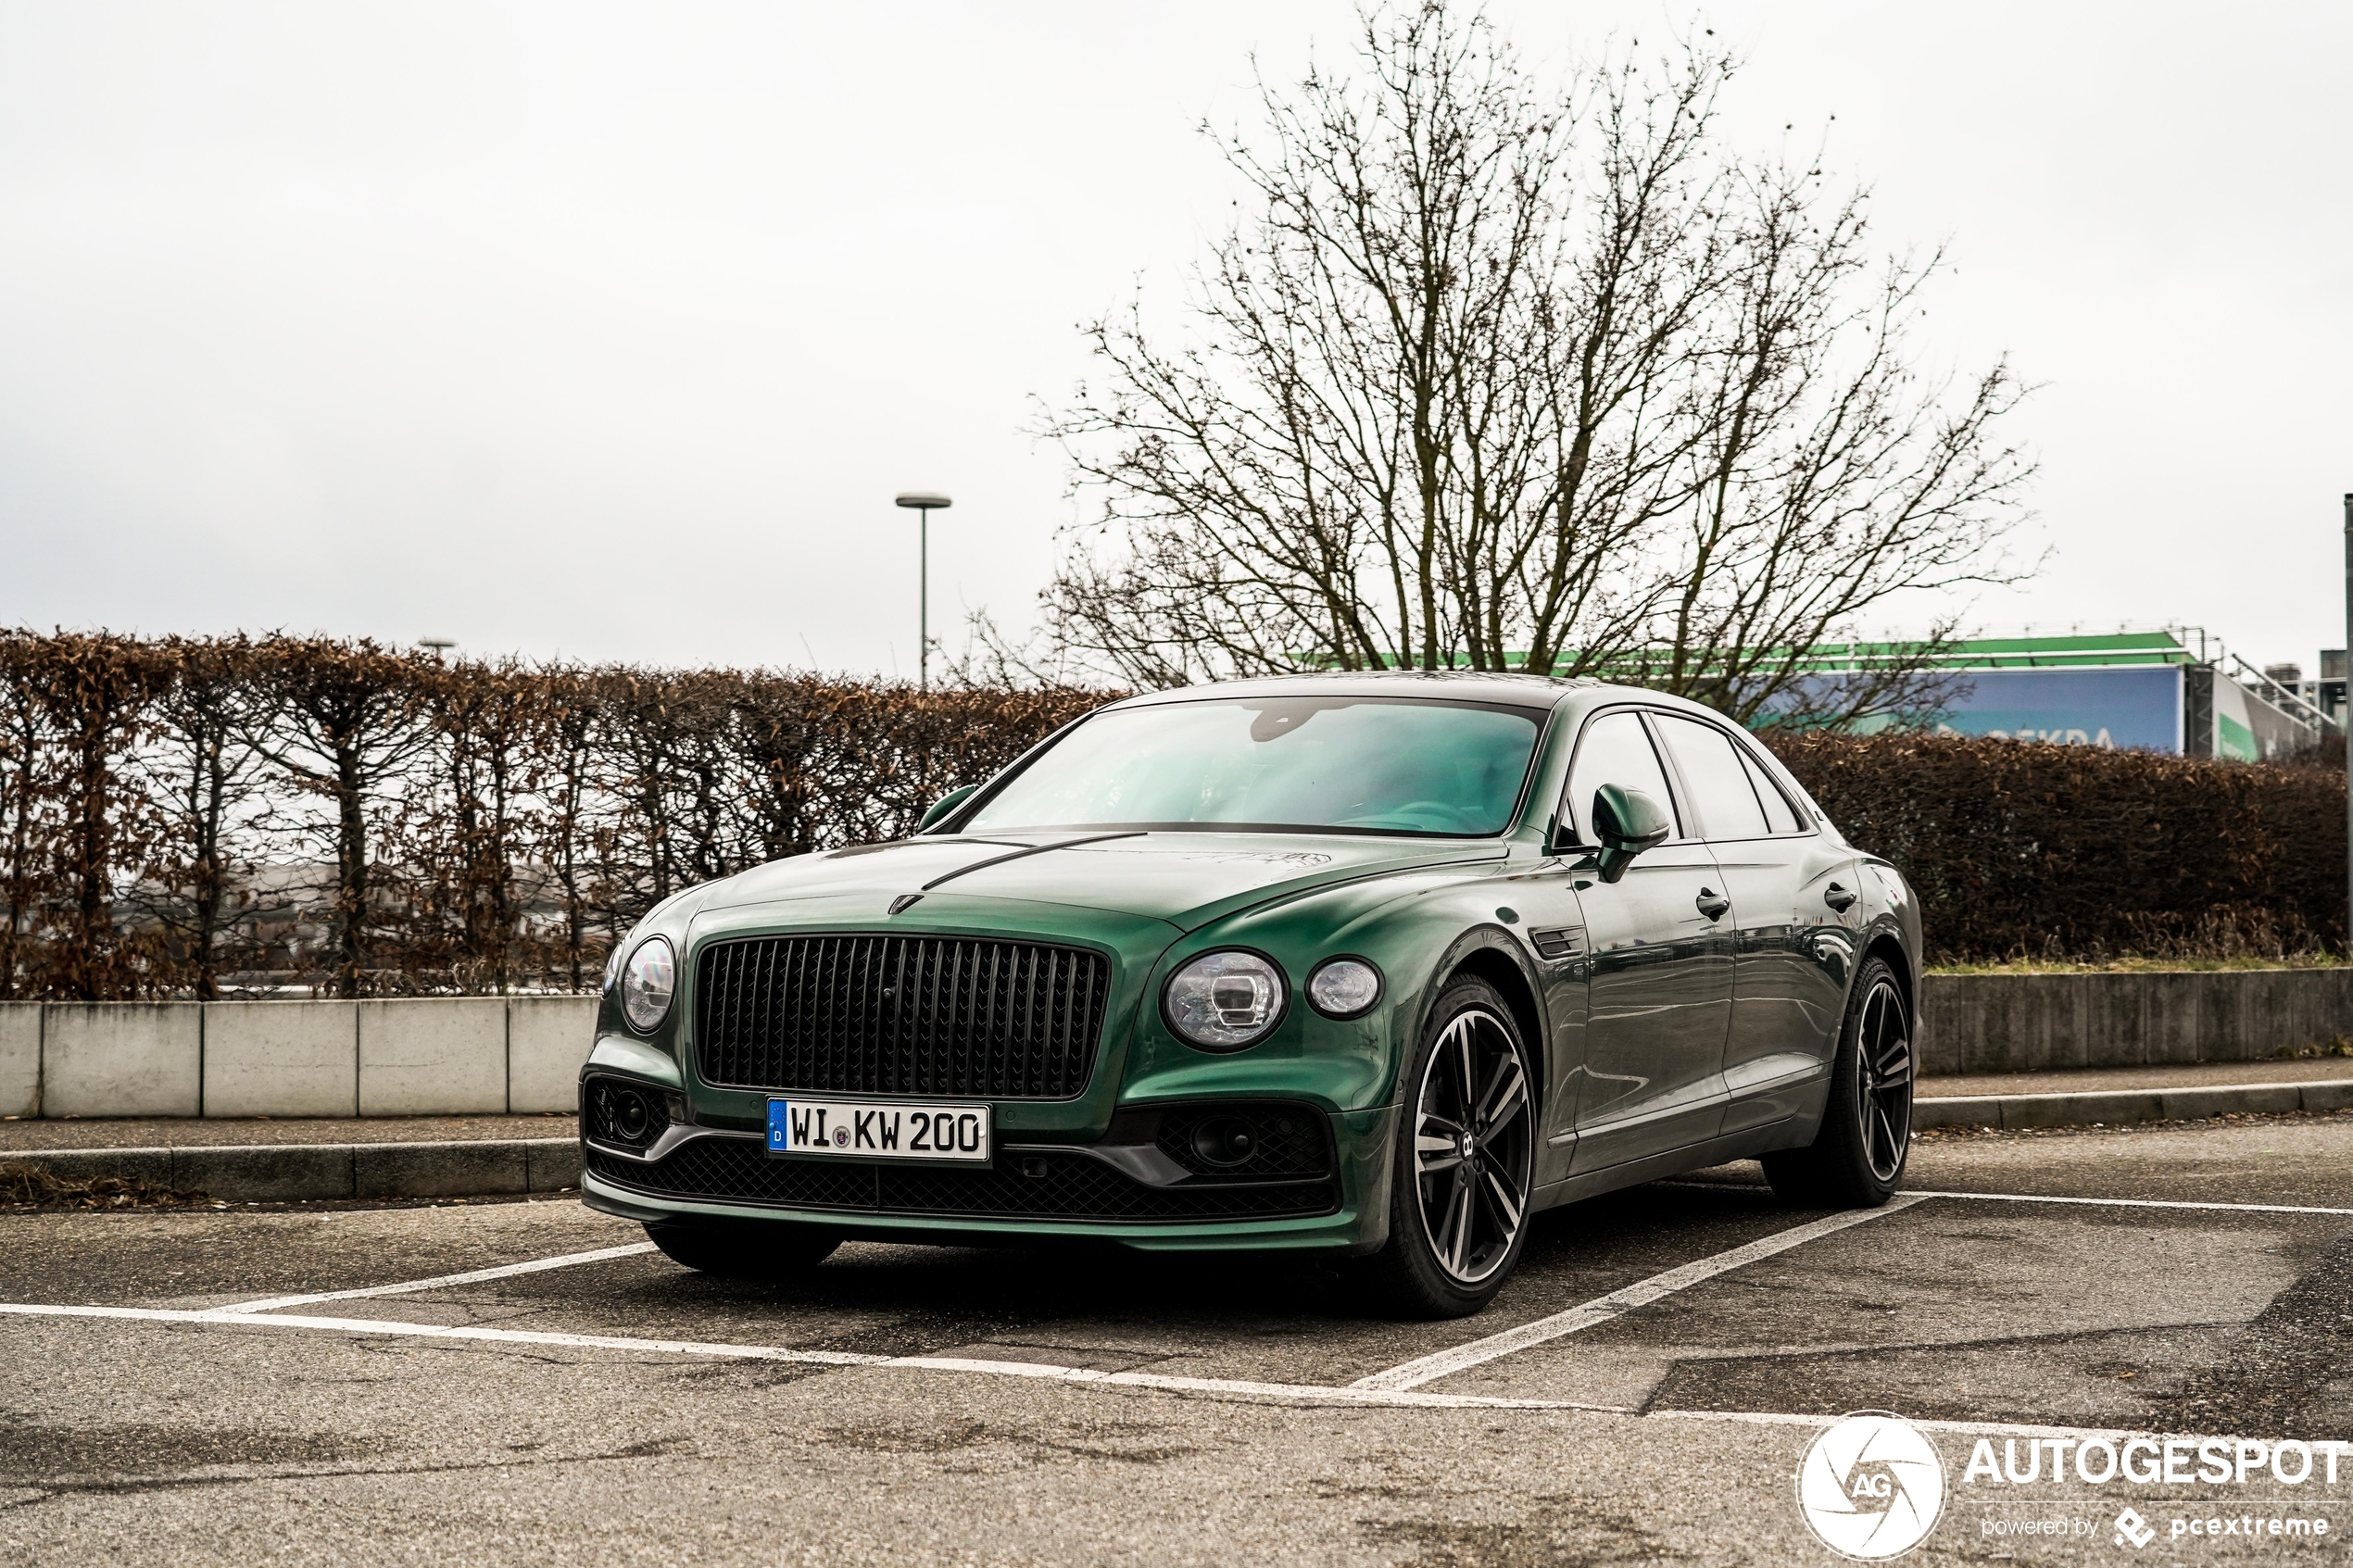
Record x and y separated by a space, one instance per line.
1372 966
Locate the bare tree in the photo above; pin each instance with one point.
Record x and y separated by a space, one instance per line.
572 713
94 693
203 779
1826 477
662 750
345 721
464 833
27 819
775 735
1496 375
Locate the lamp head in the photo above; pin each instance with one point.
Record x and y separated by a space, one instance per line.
925 499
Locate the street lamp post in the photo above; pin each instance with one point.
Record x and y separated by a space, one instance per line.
2344 721
926 502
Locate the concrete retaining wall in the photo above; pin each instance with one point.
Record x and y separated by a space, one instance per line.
475 1055
122 1058
2037 1023
20 1059
282 1059
421 1057
435 1057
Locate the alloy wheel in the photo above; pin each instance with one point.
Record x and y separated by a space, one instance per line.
1474 1144
1883 1077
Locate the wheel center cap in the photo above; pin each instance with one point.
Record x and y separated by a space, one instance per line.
1466 1144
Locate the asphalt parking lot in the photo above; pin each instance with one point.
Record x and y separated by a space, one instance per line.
1642 1391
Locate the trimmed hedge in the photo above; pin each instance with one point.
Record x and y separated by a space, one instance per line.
2021 849
234 816
222 816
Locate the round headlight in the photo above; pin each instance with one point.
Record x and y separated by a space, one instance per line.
1225 1000
646 983
1343 987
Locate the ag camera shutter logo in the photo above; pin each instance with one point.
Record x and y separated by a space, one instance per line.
1871 1487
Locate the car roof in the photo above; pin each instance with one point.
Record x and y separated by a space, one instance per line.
1537 691
1458 685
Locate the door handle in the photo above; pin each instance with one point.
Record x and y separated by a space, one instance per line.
1838 899
1711 903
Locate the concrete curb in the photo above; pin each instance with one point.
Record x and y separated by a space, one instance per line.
490 1167
2111 1108
284 1173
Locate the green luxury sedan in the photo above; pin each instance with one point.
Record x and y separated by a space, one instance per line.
1375 966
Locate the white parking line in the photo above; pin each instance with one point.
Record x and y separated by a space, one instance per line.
1230 1387
1758 1188
1800 1235
1357 1394
1394 1386
1602 1308
1444 1363
568 1259
2135 1202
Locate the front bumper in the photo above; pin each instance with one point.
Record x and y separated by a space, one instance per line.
1033 1190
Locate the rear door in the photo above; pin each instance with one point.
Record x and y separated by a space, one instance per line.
1659 996
1789 966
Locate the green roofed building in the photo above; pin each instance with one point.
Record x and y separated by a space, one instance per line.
2175 690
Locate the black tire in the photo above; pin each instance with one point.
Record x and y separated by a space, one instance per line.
1458 1206
743 1249
1857 1156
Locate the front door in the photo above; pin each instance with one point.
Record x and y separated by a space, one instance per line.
1659 996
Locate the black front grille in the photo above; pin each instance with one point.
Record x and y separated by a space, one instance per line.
900 1015
1064 1186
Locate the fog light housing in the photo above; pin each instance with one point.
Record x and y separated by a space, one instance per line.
624 1113
1225 1141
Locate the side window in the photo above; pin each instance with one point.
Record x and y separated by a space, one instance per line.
1780 815
1615 749
1712 769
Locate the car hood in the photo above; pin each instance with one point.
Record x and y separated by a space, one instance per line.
1187 879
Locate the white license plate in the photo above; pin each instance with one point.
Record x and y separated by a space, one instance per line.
856 1130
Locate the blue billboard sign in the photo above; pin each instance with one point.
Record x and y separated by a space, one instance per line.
2138 706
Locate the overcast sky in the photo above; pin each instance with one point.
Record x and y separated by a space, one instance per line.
609 331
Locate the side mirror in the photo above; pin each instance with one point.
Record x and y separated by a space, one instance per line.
944 804
1627 821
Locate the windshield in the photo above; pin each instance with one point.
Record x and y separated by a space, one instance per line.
1361 764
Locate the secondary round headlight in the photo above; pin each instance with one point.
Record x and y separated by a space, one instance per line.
646 984
1225 1000
1343 987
